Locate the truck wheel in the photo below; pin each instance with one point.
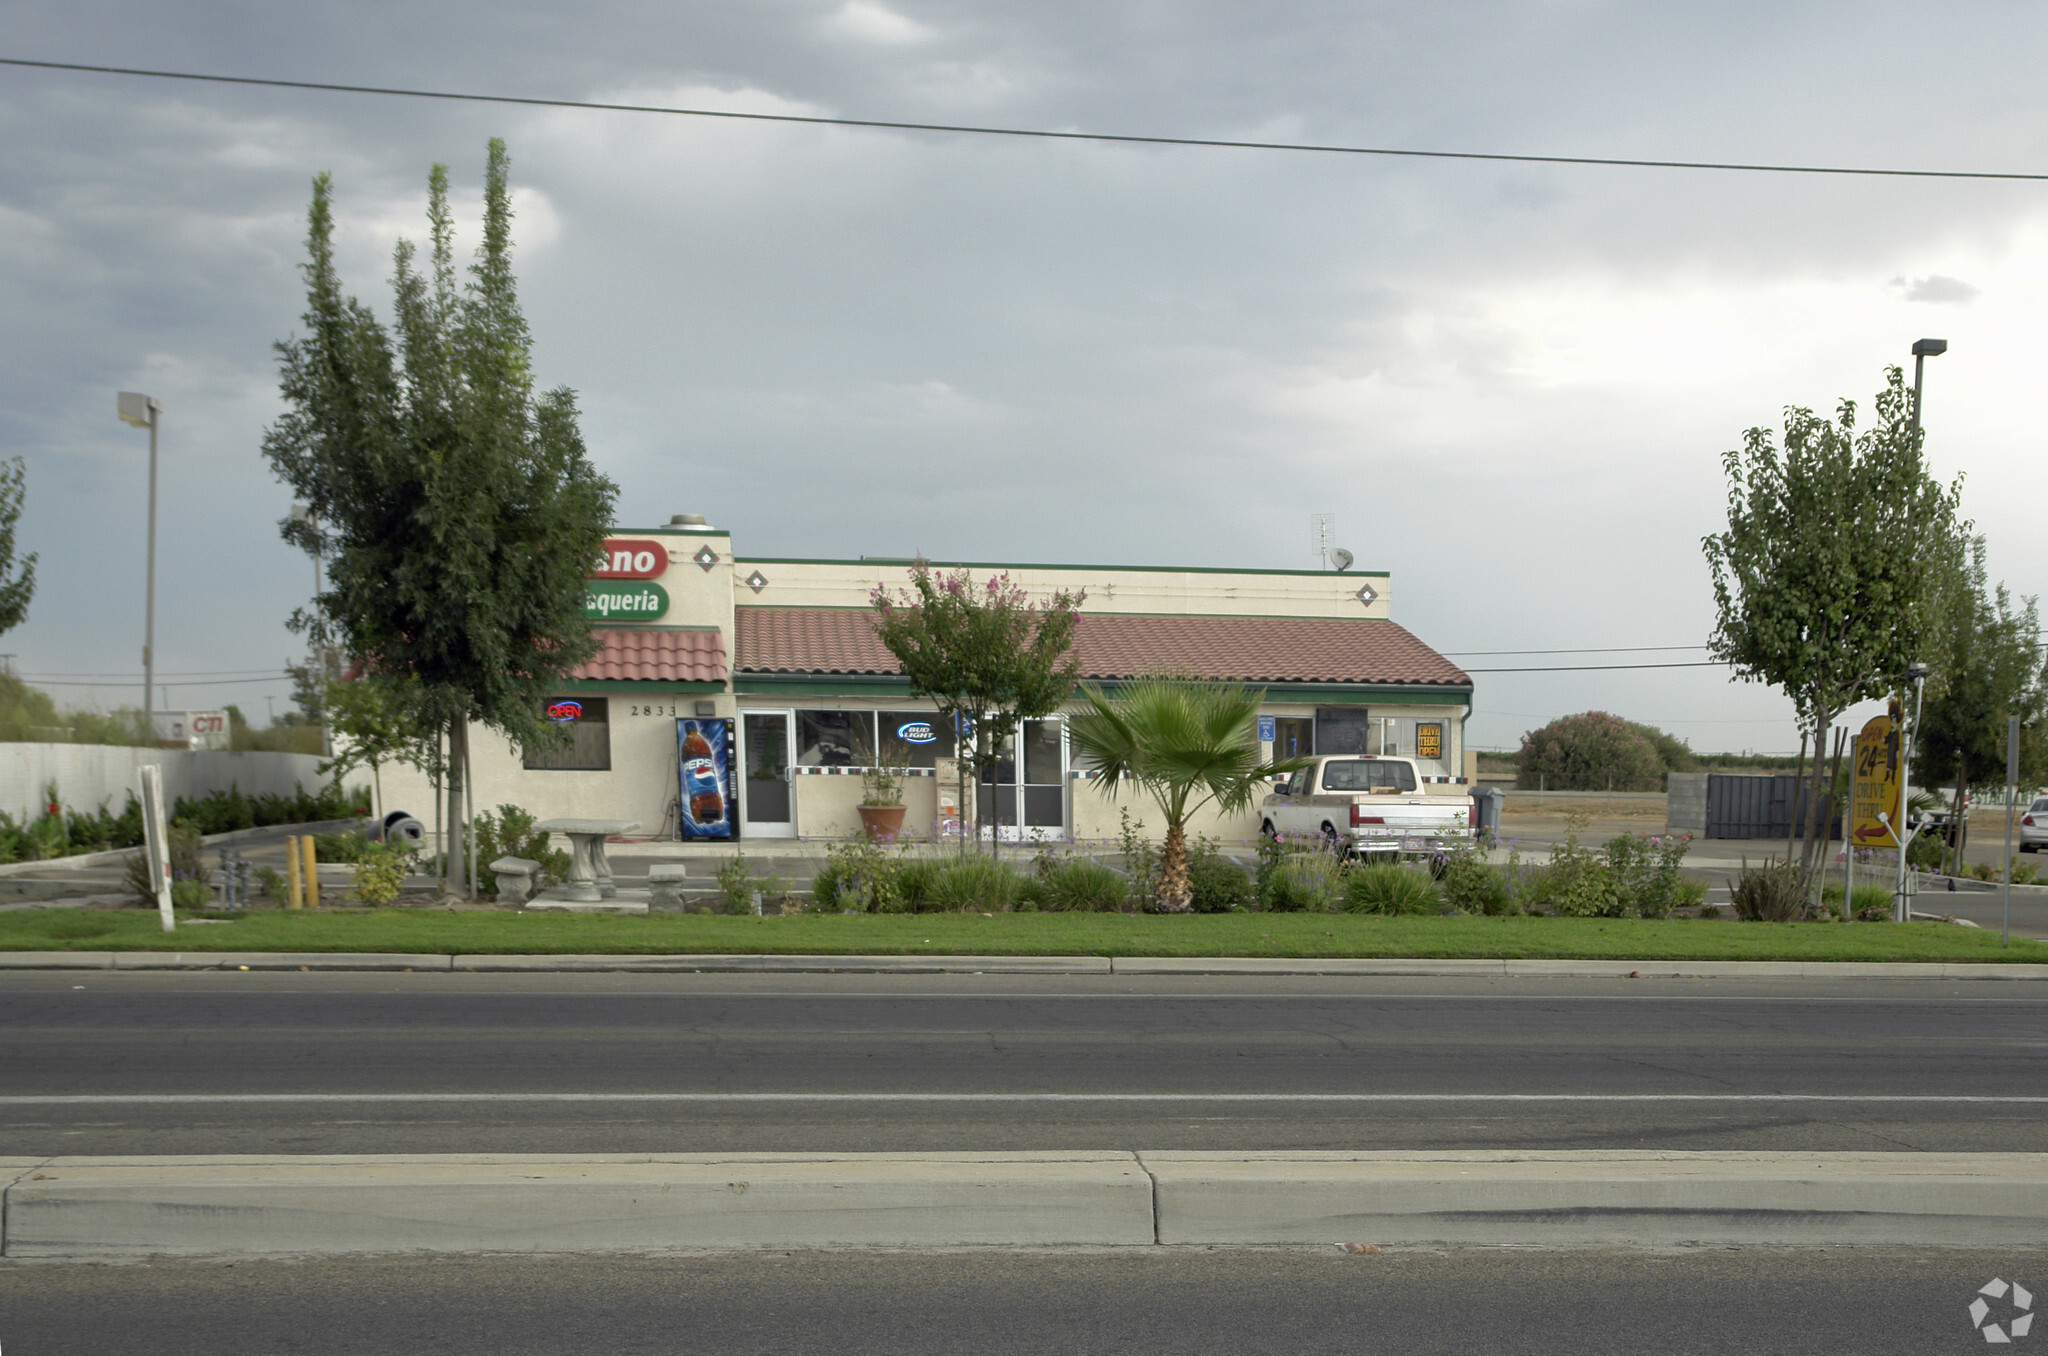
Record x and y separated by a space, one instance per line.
1272 835
1329 835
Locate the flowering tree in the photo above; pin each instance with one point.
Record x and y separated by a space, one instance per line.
986 655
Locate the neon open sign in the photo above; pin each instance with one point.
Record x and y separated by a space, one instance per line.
565 711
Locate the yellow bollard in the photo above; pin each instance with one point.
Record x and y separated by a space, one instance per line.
312 873
294 893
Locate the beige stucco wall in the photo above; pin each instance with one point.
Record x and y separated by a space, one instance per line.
1233 593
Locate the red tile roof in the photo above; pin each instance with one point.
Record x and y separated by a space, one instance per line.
1248 649
657 656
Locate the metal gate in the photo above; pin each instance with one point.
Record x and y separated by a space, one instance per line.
1760 807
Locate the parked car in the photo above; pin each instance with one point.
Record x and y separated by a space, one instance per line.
2034 825
1369 806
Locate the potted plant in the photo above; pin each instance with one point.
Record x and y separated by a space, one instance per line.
881 798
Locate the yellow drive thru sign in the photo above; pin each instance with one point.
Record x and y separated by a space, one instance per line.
1875 786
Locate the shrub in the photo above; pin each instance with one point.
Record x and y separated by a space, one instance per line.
735 884
346 848
1304 882
190 894
1581 883
380 872
1589 752
2023 873
857 877
1220 884
1773 892
1390 889
1925 852
1081 885
1646 871
1471 885
510 833
1692 894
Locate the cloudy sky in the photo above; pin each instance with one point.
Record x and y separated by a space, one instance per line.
1510 384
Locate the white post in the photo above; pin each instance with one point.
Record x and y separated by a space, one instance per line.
156 841
2012 783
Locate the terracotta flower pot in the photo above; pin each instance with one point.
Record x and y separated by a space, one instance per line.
882 822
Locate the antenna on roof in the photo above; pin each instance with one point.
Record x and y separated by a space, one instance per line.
1320 528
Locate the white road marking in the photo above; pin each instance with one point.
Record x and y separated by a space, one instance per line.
263 1098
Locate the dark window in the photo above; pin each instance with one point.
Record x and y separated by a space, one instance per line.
1342 729
834 738
588 720
1368 774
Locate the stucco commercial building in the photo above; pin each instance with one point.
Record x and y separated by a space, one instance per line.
784 649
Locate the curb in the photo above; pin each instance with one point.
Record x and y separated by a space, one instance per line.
1014 965
105 1208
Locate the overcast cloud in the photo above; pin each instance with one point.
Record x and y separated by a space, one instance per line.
1511 384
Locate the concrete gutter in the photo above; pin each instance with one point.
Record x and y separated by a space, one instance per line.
1013 965
102 1208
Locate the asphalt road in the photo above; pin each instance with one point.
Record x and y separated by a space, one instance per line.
1182 1302
209 1062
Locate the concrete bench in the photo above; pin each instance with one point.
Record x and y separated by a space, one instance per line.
665 887
515 879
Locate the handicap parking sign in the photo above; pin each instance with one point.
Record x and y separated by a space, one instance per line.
1265 729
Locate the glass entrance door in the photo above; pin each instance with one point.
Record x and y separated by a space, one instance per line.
1030 792
766 809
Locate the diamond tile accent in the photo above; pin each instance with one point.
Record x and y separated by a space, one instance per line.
1367 594
757 581
706 557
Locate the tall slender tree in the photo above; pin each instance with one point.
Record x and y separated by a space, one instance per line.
1824 577
458 510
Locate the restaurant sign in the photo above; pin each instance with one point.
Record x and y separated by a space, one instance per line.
624 602
631 558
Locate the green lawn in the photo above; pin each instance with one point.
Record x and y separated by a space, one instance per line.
1067 934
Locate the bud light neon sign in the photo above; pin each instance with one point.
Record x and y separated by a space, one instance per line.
917 732
565 712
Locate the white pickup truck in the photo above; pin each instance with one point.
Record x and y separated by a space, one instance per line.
1371 805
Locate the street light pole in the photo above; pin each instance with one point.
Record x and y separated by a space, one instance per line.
143 411
1923 349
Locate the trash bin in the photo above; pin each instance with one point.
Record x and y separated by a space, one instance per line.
1486 806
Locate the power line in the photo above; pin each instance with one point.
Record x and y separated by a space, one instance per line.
129 674
966 129
160 681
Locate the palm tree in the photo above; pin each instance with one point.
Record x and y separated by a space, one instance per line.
1189 744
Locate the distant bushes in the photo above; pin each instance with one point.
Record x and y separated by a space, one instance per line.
63 832
1595 751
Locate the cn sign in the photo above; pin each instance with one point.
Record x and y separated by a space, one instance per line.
631 558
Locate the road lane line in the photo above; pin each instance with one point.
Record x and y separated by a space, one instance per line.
295 1098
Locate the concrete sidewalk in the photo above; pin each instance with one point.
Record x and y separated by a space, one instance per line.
101 1208
1013 965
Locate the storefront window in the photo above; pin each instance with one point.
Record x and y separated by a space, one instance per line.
834 738
589 749
914 738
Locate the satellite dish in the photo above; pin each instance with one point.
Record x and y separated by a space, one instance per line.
1341 558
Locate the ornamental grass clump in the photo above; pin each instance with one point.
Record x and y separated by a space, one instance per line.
1081 885
1389 888
1771 892
1304 882
975 884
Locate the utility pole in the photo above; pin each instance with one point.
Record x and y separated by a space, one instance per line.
144 411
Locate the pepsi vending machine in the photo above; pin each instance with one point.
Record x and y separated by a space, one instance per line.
708 807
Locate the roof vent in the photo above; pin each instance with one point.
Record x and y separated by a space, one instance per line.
687 520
